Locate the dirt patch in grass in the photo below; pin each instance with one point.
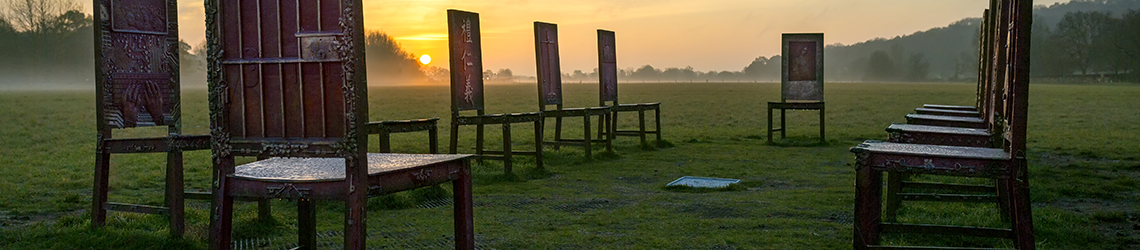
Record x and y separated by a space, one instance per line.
1116 220
585 205
710 211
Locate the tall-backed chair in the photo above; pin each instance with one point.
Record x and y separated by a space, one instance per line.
287 83
137 85
465 46
608 94
1008 164
550 92
801 84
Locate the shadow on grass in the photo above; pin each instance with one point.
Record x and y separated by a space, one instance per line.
799 142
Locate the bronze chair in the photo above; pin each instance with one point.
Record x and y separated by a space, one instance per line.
608 95
897 183
550 92
801 84
1008 164
137 85
466 59
384 129
287 83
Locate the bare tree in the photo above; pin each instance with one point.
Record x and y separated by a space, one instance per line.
1079 34
36 16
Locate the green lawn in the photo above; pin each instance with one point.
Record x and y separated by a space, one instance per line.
1084 170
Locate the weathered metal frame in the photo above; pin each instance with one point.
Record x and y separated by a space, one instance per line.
338 130
550 93
118 44
1014 19
466 64
608 95
799 94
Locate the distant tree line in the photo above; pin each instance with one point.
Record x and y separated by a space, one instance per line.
1090 46
45 41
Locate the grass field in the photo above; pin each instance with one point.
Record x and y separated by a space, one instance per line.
1084 170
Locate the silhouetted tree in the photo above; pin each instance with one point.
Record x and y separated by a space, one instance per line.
879 67
387 62
1081 37
917 68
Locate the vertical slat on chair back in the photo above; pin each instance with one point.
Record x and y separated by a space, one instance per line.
802 67
983 58
286 72
997 72
546 59
607 67
283 66
137 63
1020 23
466 60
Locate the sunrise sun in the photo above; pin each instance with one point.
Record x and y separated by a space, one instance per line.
425 59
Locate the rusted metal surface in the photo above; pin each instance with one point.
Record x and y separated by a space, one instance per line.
550 93
136 85
607 67
802 67
939 135
801 82
546 59
947 112
947 121
466 48
287 80
953 107
1009 22
608 95
466 64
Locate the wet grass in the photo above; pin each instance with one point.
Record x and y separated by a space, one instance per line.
795 194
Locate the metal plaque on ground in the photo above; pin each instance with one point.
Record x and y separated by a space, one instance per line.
702 182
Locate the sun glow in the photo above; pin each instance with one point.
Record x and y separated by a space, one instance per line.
425 59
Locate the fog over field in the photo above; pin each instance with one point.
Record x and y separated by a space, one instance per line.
1083 41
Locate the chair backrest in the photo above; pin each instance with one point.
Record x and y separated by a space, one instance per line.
465 47
802 67
136 71
549 70
287 78
607 68
983 57
1016 98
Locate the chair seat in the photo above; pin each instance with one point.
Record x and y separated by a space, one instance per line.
499 118
795 105
954 107
933 159
947 112
591 111
637 106
945 118
332 169
914 128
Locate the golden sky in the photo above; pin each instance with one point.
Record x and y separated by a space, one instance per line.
707 34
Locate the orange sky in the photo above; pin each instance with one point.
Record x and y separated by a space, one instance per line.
707 35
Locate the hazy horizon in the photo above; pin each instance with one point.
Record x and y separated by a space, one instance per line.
708 35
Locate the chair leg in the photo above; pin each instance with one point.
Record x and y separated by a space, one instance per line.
868 203
479 141
609 134
174 191
587 143
1020 207
769 124
221 207
385 139
657 119
894 187
306 224
454 146
783 123
822 135
99 192
538 127
507 148
641 126
264 211
601 130
557 133
433 139
464 216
